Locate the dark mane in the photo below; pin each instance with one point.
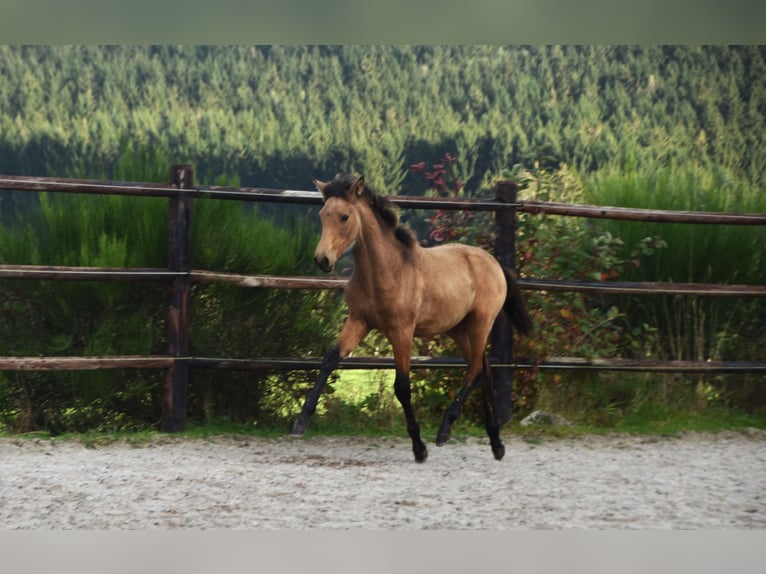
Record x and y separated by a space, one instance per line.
342 186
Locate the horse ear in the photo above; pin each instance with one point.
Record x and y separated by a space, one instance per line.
358 186
320 185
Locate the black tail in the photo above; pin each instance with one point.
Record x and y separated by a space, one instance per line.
514 305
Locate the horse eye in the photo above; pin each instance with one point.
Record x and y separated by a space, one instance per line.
344 217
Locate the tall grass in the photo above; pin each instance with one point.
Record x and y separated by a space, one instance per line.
82 317
696 327
705 253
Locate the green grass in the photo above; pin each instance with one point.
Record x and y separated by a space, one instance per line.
362 403
355 385
662 421
653 420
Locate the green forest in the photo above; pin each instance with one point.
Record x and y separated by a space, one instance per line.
278 114
668 127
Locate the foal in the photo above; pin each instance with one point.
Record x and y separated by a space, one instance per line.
405 291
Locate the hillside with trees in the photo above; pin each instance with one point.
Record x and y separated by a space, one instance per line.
276 115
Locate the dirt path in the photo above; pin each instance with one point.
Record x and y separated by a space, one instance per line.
691 481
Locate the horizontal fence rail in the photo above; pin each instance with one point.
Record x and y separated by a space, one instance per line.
646 288
85 273
85 363
24 183
179 275
363 363
409 202
262 194
554 363
638 214
311 282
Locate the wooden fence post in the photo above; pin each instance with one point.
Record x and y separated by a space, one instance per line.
502 332
174 400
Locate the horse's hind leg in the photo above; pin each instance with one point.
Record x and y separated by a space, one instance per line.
471 337
453 410
473 353
490 420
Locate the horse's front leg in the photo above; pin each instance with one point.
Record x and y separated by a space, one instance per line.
402 346
353 332
330 361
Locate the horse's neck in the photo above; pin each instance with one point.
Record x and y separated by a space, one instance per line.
377 258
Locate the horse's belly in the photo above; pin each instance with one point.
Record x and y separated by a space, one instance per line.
440 315
431 328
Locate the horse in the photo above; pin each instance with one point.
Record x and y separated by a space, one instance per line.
405 290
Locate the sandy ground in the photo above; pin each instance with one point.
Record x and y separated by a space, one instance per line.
689 481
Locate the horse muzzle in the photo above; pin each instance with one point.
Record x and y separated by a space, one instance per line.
323 263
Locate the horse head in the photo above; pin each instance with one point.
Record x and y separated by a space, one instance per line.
341 224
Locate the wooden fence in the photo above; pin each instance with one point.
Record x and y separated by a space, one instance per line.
179 275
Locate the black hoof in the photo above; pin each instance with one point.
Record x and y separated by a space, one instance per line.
442 438
499 452
421 454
